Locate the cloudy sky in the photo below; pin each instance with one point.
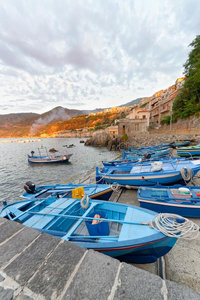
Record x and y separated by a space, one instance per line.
87 54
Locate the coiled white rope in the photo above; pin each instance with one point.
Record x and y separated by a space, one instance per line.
173 225
186 173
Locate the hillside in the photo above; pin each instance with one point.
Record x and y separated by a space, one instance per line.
21 119
57 119
132 102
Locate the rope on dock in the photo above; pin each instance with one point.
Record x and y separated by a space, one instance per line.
186 174
173 225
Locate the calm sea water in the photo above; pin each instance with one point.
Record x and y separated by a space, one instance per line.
15 169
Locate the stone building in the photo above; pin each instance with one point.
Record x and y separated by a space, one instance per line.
160 104
113 131
137 121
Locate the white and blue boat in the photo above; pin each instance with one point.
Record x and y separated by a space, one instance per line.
94 191
47 157
126 232
149 174
176 199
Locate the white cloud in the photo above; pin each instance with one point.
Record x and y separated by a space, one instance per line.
92 53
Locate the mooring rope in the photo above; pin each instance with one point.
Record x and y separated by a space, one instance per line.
186 173
173 225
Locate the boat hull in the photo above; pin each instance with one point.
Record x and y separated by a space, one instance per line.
188 152
138 253
158 153
120 236
171 200
94 191
179 209
139 180
49 159
145 174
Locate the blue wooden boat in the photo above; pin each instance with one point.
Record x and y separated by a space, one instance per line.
176 199
153 147
94 191
139 154
117 230
47 157
149 174
188 151
128 161
162 146
180 144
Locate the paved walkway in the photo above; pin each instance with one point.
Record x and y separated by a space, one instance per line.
35 265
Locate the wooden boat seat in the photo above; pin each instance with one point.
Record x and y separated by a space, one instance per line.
14 212
48 212
127 231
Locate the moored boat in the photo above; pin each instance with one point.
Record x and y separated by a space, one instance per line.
47 158
152 153
94 191
177 199
188 151
180 144
144 159
149 174
126 232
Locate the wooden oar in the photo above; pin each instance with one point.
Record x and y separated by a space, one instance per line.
93 236
85 218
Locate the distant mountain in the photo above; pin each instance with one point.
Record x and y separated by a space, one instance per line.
59 113
132 102
23 119
15 121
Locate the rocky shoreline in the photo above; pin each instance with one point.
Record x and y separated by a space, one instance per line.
104 139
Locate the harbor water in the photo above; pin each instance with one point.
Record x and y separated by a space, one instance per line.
15 169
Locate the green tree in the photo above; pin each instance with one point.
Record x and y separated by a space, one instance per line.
166 120
187 102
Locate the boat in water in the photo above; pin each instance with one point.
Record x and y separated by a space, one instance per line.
129 233
47 157
78 191
177 199
149 173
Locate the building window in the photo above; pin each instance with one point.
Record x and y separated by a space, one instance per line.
123 129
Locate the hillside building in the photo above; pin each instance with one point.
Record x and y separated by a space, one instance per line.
136 121
155 108
113 131
160 104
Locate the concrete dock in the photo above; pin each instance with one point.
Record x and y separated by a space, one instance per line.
37 266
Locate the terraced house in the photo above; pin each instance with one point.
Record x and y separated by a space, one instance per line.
150 111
